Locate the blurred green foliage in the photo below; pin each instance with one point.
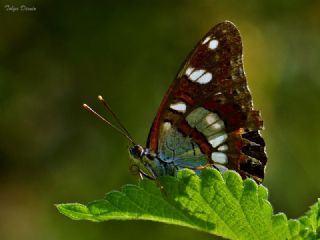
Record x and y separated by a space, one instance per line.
64 53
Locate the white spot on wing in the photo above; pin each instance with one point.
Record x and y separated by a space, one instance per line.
219 157
217 139
166 126
196 74
213 44
179 106
200 75
196 116
211 118
223 148
205 78
189 71
218 125
206 40
214 128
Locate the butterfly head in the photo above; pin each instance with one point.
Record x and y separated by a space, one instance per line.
142 161
136 151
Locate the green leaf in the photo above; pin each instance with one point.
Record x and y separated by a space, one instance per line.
223 205
307 226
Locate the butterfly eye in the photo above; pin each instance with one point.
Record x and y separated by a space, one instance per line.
134 169
136 151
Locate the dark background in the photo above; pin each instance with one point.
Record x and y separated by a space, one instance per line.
64 53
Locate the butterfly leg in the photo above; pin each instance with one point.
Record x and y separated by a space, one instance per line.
142 175
160 186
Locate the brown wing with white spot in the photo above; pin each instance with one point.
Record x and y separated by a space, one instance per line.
209 102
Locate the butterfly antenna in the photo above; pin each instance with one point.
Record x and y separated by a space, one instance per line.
120 130
106 105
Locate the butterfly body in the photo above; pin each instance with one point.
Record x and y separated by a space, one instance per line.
206 117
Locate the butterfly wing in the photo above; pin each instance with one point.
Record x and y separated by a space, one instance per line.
207 114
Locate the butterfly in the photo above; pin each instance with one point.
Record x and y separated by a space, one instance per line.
206 118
